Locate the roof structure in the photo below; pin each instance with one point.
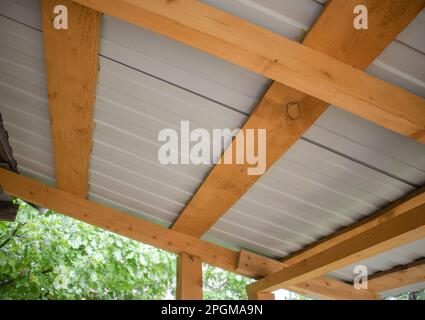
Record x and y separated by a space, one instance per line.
331 170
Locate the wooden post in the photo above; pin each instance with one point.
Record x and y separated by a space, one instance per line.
261 296
189 278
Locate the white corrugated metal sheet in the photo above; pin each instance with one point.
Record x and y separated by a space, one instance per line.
343 169
400 256
131 108
309 193
23 98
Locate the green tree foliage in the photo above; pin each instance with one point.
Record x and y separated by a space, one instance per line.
50 256
418 295
223 285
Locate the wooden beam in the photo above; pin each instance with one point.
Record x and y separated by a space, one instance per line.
278 58
332 34
331 289
261 296
397 208
189 277
119 222
321 287
71 60
398 277
228 182
391 228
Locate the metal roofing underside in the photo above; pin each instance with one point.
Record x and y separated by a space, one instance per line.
343 169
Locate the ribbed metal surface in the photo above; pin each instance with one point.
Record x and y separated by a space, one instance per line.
23 99
400 256
286 17
131 108
343 169
309 193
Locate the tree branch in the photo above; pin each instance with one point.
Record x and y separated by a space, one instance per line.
12 235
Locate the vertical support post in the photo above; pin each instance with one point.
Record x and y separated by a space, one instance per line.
189 278
261 296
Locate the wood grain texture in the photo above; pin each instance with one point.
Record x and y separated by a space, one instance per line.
398 277
331 289
321 287
261 296
71 60
280 59
397 226
119 222
227 183
189 278
387 18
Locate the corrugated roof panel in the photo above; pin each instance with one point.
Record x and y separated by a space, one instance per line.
397 64
307 194
27 12
181 65
23 99
131 108
413 35
371 145
385 261
343 169
286 17
400 64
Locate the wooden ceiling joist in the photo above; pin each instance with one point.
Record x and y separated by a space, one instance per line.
332 34
278 58
399 224
71 60
321 287
398 277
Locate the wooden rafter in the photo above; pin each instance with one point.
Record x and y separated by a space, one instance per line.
280 59
321 287
332 34
331 289
398 277
397 225
71 59
189 278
